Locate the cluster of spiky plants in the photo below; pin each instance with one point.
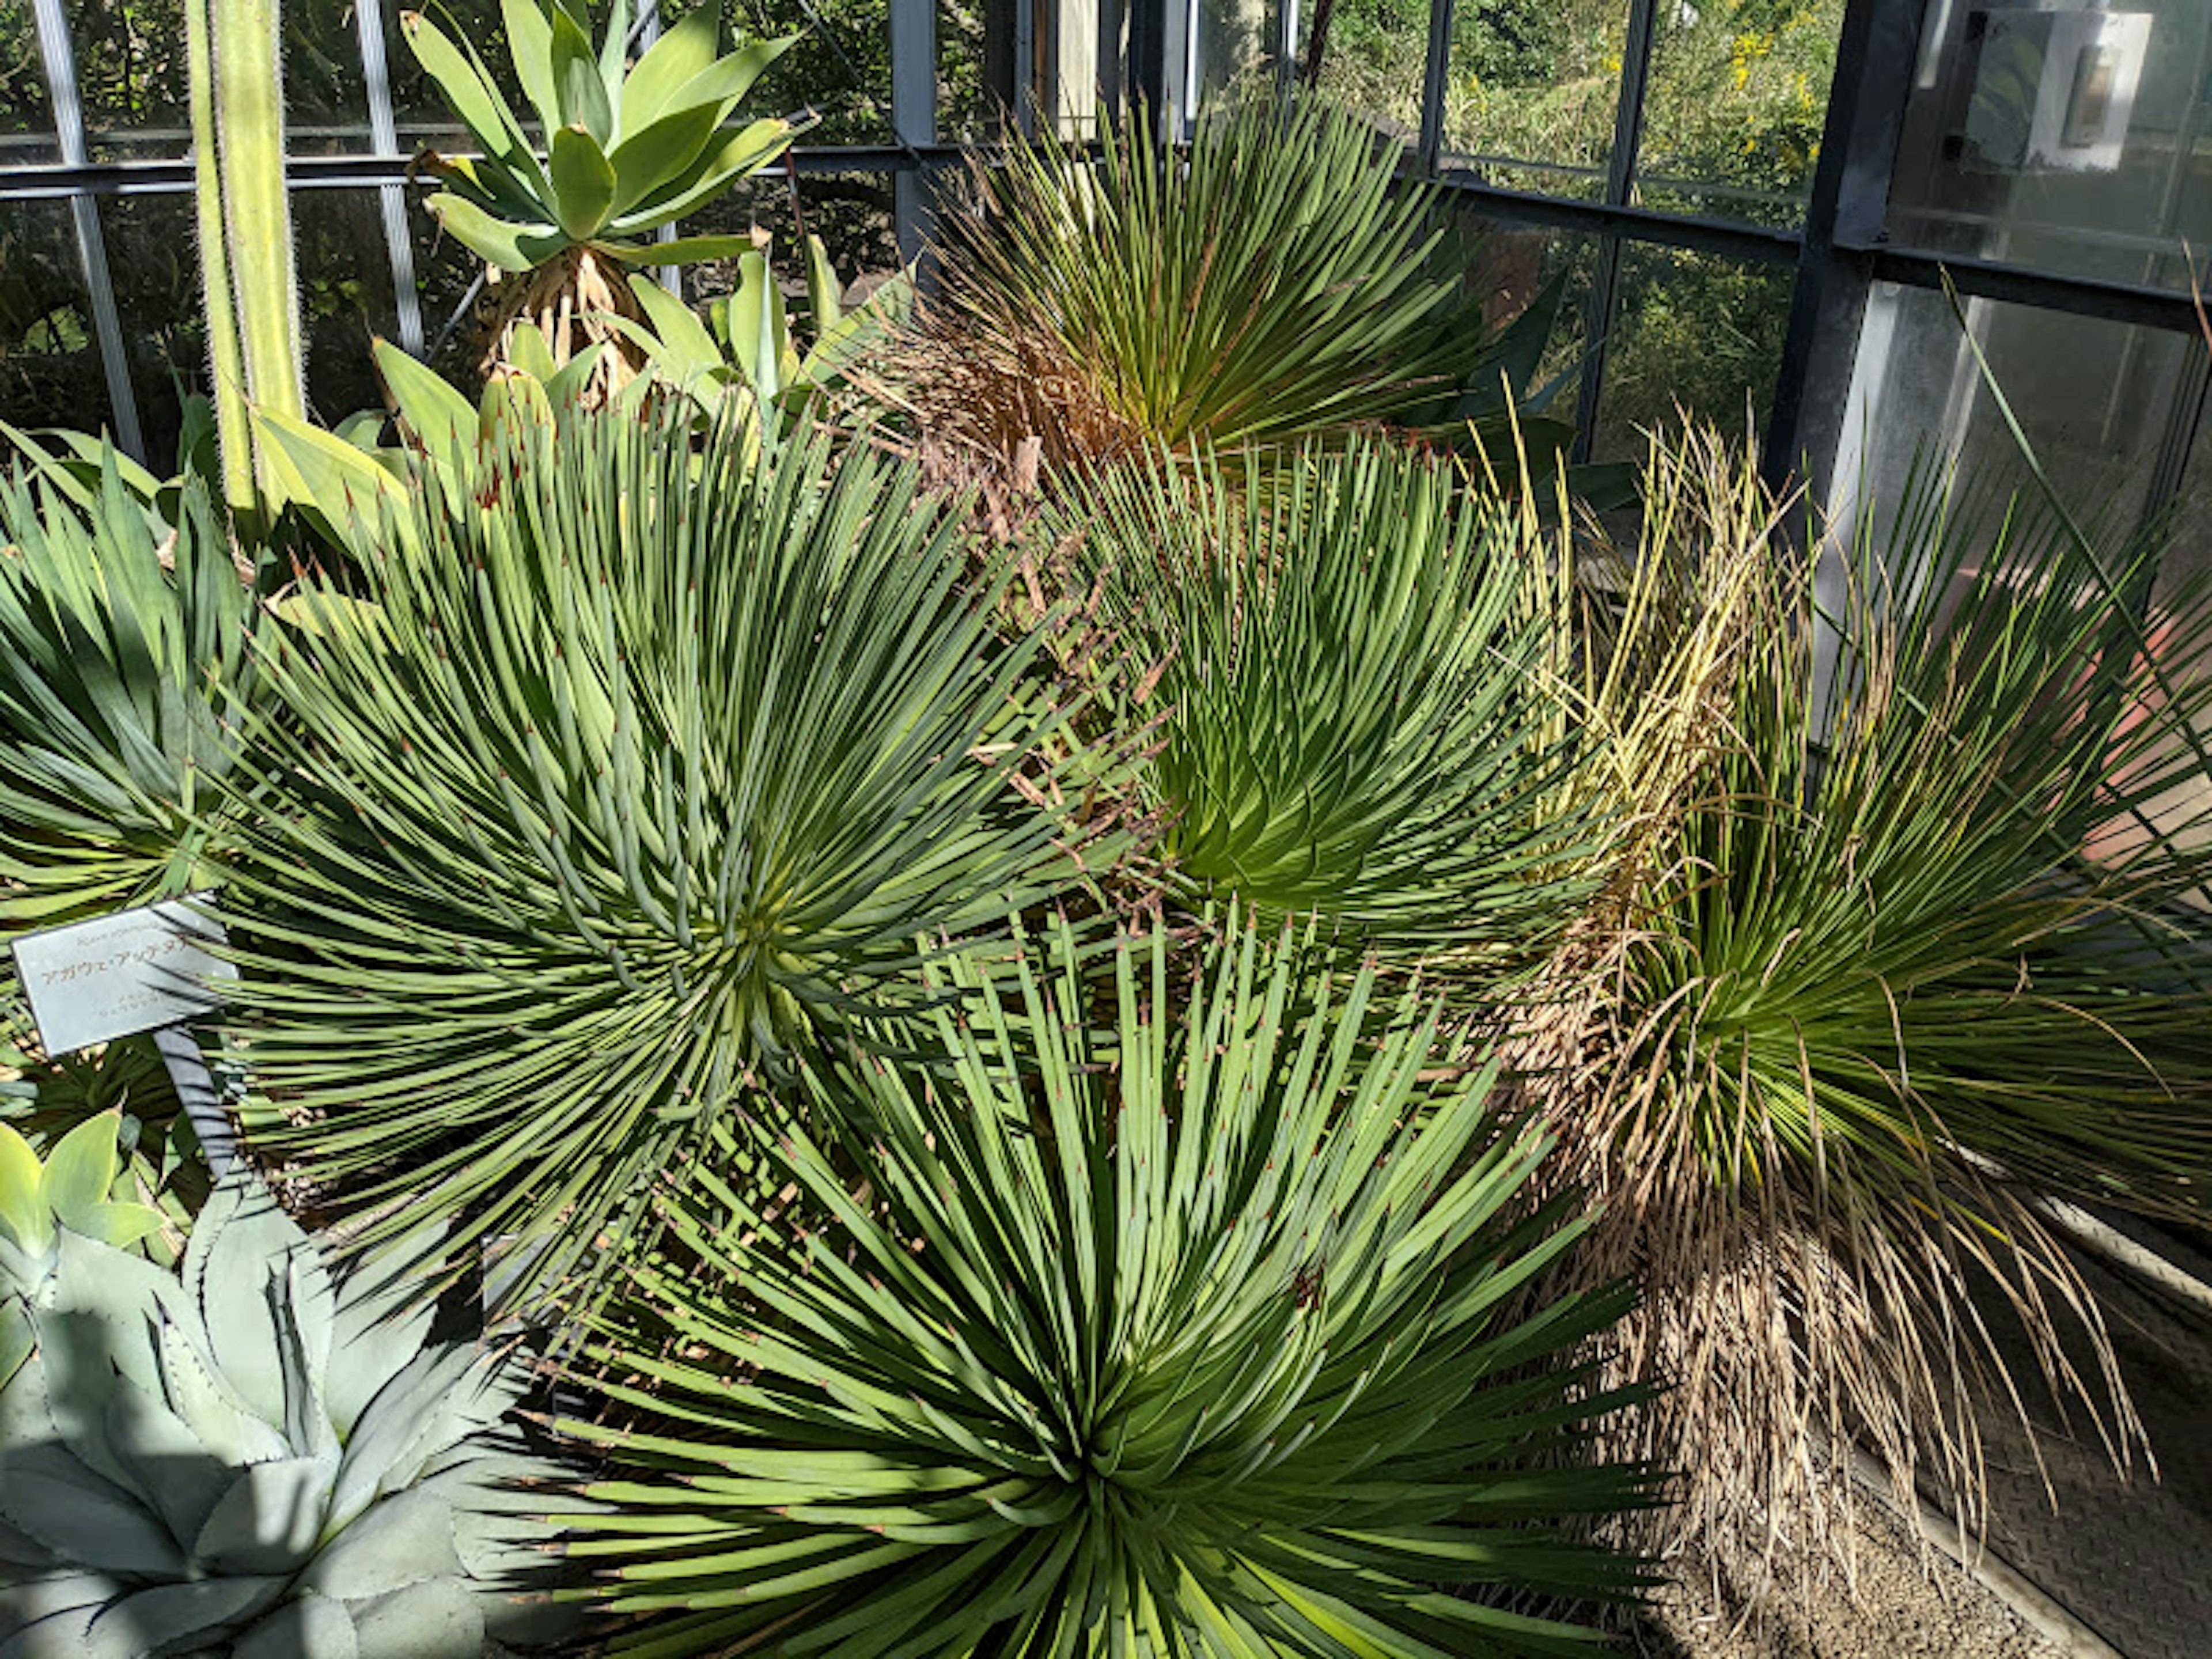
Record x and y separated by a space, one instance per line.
1176 1326
124 660
1352 659
247 1458
1868 1005
656 761
1272 281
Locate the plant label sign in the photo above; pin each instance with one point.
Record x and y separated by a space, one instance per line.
113 976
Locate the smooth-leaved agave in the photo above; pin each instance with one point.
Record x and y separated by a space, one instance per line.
252 1461
628 147
1183 1337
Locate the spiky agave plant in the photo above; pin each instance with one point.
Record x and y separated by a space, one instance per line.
1179 1336
1347 658
1870 1008
658 760
122 655
251 1459
1274 281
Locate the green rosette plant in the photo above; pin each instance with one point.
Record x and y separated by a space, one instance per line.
125 656
1344 662
628 147
660 761
248 1459
1186 1335
1275 281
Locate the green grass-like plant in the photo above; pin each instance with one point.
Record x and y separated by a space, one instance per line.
1345 662
1875 999
1272 281
1181 1336
124 659
654 762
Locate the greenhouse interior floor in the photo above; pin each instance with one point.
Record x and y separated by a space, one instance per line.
2121 1569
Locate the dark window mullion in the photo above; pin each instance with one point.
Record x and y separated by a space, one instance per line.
1598 315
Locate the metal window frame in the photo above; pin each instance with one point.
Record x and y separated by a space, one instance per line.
1838 252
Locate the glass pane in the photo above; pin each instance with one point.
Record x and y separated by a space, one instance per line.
153 252
1509 265
49 367
850 212
970 75
130 63
1733 113
1695 330
345 297
1373 56
2094 397
2073 140
1532 92
841 68
1237 45
1074 48
325 93
26 113
130 76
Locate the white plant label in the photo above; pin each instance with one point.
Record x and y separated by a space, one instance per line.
113 976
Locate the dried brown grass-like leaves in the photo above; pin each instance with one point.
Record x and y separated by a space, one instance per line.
1826 1242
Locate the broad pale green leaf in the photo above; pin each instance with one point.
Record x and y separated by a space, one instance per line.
441 420
660 151
576 80
824 293
511 246
464 87
23 1209
583 182
684 49
433 1618
308 1626
80 1171
167 1616
683 251
402 1541
270 1519
530 48
707 179
686 347
47 1493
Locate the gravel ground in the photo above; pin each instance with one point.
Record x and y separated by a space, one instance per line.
1906 1609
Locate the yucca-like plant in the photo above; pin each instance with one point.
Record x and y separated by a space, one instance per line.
1869 1007
249 1459
1344 664
656 761
123 660
1273 281
1180 1336
628 147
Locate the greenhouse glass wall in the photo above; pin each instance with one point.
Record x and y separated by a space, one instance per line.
1755 204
